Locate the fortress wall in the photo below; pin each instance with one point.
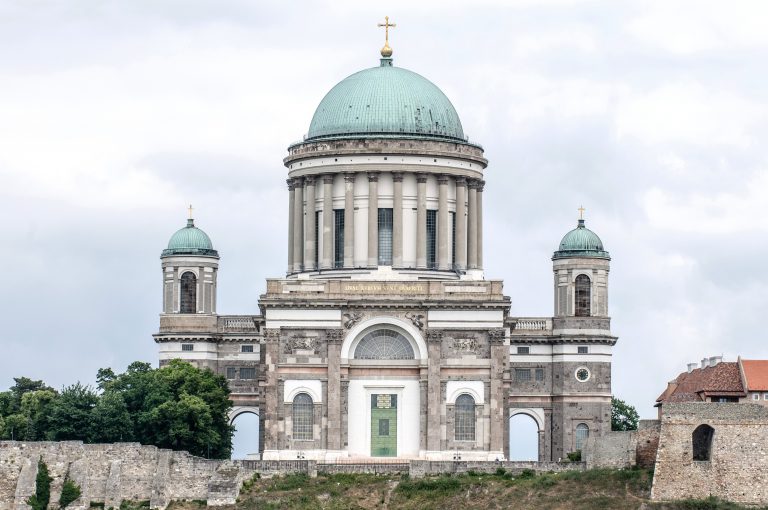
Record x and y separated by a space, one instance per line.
738 466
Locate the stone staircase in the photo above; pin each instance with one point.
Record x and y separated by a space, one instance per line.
224 485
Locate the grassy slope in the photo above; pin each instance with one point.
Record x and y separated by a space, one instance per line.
590 490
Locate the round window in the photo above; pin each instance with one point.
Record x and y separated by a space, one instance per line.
582 374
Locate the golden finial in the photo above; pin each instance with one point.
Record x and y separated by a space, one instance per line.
581 212
190 211
386 51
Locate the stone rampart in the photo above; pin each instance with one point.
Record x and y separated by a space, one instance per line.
734 455
625 449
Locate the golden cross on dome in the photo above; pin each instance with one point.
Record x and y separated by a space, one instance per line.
190 211
386 51
581 212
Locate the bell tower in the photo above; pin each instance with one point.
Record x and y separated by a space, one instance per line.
190 266
581 267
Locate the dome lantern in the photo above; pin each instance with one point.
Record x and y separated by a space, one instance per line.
581 242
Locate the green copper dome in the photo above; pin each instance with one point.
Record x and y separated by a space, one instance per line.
581 242
190 240
386 101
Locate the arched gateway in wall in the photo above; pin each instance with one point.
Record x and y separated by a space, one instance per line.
384 338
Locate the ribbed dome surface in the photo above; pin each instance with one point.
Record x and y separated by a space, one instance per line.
581 242
385 101
190 240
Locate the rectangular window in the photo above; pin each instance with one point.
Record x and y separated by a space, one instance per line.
755 396
522 374
247 373
523 350
385 237
765 396
187 347
539 374
317 238
431 238
453 239
583 349
246 348
231 372
383 427
338 238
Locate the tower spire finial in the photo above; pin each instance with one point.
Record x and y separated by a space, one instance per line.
190 221
386 51
190 211
581 212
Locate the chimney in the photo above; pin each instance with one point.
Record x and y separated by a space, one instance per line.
704 362
692 366
714 360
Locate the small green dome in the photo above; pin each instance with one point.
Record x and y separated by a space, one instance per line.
386 101
190 240
581 242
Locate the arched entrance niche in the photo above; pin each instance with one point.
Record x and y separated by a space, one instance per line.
525 426
246 441
384 356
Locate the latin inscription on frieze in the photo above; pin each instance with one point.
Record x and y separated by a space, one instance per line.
384 288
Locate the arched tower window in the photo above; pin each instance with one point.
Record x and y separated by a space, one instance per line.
582 433
188 300
303 417
384 344
464 423
583 296
702 442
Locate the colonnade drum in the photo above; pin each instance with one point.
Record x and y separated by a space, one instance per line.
411 206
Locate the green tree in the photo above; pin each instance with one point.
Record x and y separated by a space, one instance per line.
623 415
42 496
104 376
36 407
16 427
71 413
110 420
6 403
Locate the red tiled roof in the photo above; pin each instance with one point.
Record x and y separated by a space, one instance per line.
722 379
756 374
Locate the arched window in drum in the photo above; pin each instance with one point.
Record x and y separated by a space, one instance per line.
384 344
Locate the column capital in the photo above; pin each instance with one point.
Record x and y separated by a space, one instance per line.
442 179
373 176
349 178
271 335
461 180
421 177
290 184
328 178
334 336
434 335
496 336
298 182
480 185
397 176
309 180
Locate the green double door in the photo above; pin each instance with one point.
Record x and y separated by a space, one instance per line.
383 425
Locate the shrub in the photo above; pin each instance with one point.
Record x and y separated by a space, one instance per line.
42 496
574 456
69 493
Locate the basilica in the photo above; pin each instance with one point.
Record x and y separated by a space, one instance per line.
384 337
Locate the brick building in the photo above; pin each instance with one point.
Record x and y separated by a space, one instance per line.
384 337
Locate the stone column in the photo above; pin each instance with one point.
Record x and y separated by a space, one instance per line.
327 259
290 225
373 219
397 220
421 221
480 187
443 230
309 243
349 220
298 225
461 223
472 226
271 430
499 355
434 399
334 338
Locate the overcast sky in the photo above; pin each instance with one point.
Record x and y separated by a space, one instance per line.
115 115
